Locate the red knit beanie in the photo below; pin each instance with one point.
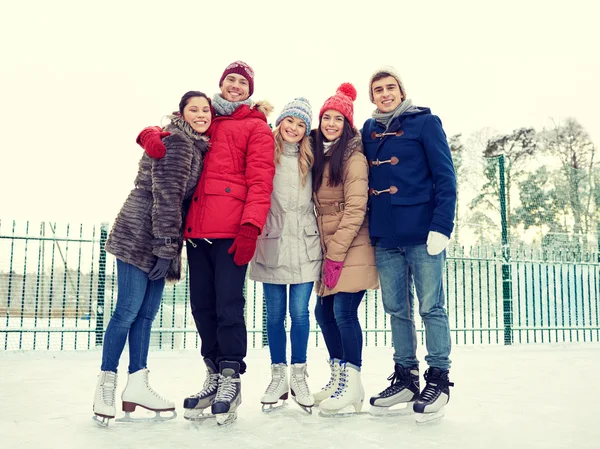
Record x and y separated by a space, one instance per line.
342 102
241 68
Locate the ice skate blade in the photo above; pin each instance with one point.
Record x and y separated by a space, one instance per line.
345 412
156 418
224 419
323 414
197 415
306 408
268 408
102 421
427 418
385 412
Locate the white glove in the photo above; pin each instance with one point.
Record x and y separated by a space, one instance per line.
436 243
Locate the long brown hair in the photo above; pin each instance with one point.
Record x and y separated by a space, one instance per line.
306 157
336 158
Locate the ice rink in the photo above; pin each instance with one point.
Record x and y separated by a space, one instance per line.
536 396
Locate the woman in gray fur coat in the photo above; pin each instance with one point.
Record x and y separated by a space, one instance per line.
146 239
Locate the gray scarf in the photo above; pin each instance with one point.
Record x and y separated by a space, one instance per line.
178 122
385 118
327 145
224 107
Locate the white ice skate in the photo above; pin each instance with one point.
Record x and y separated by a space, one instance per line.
299 387
350 392
277 389
331 387
138 392
104 398
430 407
399 397
229 393
196 404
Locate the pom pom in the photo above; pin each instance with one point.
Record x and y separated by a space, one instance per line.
348 90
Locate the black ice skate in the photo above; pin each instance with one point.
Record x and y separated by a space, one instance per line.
196 404
229 393
403 390
435 395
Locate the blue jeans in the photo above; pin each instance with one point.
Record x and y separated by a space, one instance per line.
401 271
138 301
276 299
337 316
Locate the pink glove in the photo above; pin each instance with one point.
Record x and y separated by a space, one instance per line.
150 139
333 270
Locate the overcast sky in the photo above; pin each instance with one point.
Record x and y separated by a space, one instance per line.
78 82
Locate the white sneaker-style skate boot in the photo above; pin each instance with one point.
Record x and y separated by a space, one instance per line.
104 398
329 389
138 392
195 404
350 391
277 389
299 387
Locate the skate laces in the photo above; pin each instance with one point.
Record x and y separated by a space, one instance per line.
210 384
108 387
150 389
299 381
430 392
334 376
277 378
435 384
343 378
398 381
227 388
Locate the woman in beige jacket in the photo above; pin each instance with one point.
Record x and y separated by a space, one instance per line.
288 255
340 192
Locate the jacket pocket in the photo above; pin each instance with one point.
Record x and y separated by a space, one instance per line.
313 242
267 247
412 215
225 188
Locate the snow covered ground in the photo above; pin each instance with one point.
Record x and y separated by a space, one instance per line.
543 396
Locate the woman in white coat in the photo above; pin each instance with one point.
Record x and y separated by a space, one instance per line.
288 255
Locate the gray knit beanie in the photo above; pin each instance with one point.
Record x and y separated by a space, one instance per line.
386 71
298 107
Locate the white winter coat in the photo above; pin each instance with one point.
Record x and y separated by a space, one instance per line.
289 249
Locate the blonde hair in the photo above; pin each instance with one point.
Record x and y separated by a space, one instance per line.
306 158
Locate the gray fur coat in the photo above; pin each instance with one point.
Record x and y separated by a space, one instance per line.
150 223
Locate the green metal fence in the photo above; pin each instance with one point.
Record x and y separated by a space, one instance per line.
58 291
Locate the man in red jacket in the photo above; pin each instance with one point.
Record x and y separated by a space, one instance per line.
226 216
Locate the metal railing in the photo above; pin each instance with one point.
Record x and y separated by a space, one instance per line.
58 290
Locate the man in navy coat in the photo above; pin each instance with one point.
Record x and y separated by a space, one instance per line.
412 199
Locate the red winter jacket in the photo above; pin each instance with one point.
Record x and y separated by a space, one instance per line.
237 180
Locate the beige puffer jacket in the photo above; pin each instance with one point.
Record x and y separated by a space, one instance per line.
288 251
343 224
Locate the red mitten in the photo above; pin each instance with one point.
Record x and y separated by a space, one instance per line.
333 270
244 244
150 139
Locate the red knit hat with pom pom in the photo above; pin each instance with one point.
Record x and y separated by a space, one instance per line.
342 102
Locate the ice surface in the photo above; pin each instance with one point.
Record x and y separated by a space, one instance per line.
538 396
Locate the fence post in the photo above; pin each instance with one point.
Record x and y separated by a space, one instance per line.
101 285
507 304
